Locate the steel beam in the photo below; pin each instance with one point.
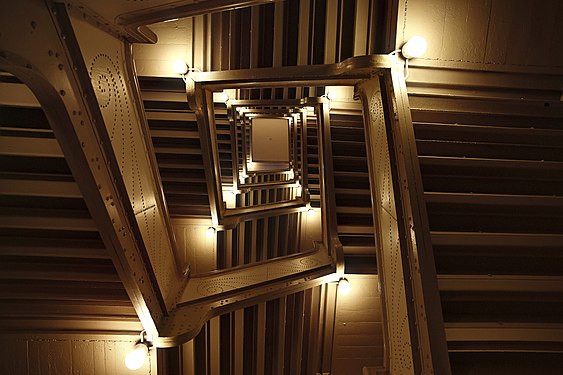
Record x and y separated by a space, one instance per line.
227 291
45 54
414 327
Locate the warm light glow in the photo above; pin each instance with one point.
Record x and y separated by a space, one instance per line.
210 232
414 47
331 95
180 67
298 189
224 97
230 197
135 359
291 175
344 287
311 212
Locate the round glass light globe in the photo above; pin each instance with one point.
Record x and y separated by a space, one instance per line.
210 232
344 287
414 47
180 67
135 359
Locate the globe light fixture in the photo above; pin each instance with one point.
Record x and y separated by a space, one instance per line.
180 67
414 47
135 359
344 287
210 232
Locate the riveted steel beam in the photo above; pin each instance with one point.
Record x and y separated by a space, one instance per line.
47 56
415 340
218 292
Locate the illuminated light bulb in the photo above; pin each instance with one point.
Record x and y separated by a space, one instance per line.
331 95
311 212
224 97
291 175
344 287
210 232
135 359
180 67
298 190
414 47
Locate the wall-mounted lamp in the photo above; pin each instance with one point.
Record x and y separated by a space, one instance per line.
210 232
224 97
414 47
331 95
135 359
298 189
181 68
344 287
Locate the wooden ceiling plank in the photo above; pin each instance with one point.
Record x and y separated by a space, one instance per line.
17 94
175 134
79 325
75 309
500 283
62 250
87 274
25 146
42 188
46 219
496 239
494 199
546 332
490 163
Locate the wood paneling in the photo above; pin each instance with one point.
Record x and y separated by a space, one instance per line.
358 334
69 354
490 32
